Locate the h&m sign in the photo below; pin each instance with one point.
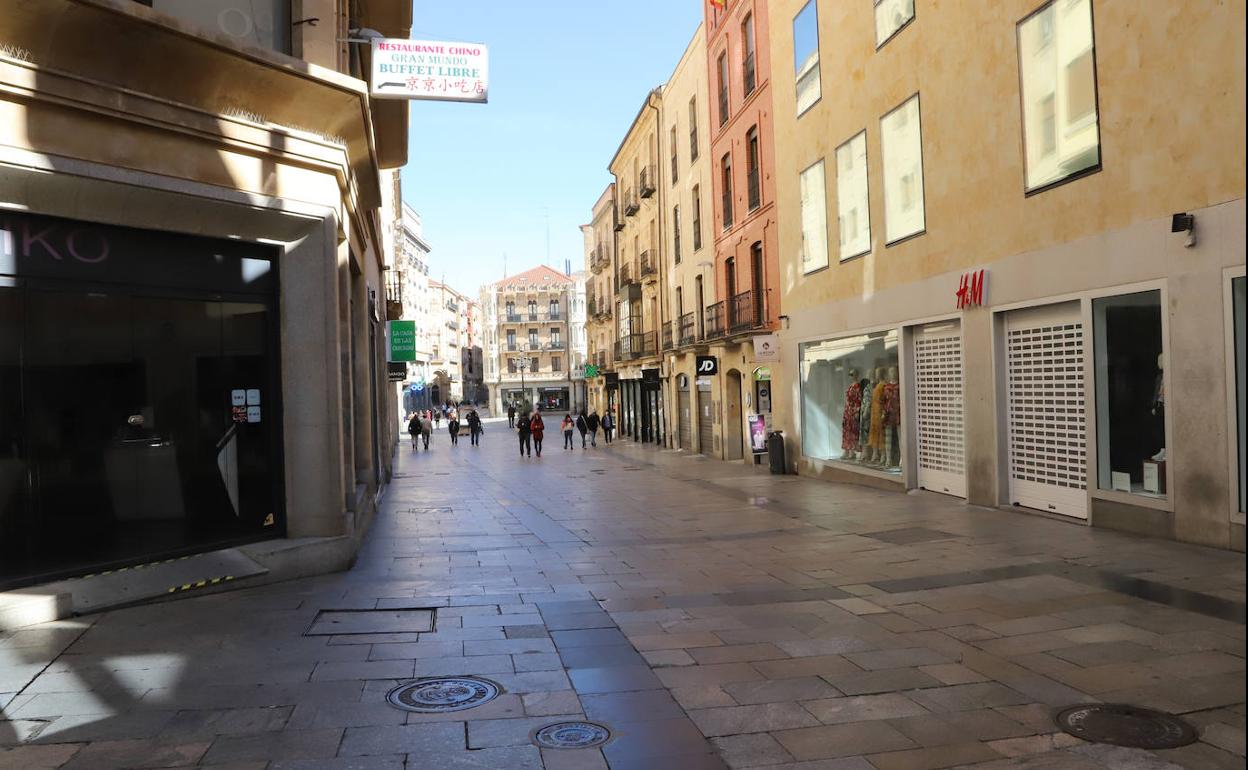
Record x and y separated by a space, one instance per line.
971 289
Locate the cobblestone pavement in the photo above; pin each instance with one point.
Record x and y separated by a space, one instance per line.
709 614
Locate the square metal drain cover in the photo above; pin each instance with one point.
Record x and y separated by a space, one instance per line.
393 621
910 535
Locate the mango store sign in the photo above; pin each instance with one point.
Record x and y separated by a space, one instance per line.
430 70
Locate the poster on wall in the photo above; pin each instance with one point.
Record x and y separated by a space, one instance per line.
758 433
430 70
767 347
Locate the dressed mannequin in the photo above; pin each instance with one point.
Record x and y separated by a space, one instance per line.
878 448
1159 410
891 398
864 420
850 417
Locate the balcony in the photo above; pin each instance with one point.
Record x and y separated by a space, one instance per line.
537 316
394 295
626 275
633 346
556 345
512 347
599 258
746 311
649 181
535 345
715 321
631 204
649 264
686 331
667 335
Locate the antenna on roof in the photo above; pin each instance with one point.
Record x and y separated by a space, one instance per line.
567 267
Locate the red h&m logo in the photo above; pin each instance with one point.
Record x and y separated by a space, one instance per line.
971 290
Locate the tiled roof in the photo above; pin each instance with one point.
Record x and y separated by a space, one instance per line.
540 275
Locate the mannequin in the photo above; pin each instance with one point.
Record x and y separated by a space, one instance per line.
891 407
1159 409
864 419
850 417
878 454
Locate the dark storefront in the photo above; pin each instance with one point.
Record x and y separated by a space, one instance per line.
642 407
139 396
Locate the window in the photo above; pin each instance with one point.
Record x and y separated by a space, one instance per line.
511 339
693 129
852 201
700 309
1130 393
532 339
697 217
722 69
747 61
814 219
1056 62
511 366
555 337
511 310
556 363
725 173
264 23
890 17
676 234
806 57
752 181
851 401
554 308
532 310
675 158
901 147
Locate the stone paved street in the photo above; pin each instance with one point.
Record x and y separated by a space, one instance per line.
709 615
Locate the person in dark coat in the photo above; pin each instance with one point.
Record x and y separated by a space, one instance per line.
608 425
511 415
413 427
538 429
582 427
592 422
524 431
474 427
452 424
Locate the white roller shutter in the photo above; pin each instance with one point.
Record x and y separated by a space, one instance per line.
938 408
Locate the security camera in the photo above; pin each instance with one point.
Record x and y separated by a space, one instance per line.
1184 223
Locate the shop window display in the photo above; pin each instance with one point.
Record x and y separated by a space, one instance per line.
1130 394
851 401
1237 293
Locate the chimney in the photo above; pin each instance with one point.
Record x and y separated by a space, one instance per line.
567 267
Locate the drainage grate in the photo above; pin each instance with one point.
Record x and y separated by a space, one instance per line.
403 620
438 695
1124 725
571 735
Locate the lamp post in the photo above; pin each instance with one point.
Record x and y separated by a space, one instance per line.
522 363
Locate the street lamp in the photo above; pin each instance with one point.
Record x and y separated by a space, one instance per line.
522 363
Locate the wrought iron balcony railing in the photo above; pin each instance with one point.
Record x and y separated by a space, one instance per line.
649 181
649 264
746 311
686 330
715 321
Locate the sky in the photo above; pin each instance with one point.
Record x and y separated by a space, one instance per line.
567 77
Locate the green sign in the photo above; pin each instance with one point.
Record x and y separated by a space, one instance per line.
591 371
402 341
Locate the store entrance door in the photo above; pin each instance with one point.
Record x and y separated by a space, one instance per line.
938 408
685 413
1047 409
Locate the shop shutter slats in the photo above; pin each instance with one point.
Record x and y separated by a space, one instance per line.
938 407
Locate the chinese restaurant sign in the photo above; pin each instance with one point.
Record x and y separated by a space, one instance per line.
430 70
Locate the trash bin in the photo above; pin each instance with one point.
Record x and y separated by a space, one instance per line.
775 451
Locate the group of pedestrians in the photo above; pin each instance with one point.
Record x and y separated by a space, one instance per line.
587 426
531 429
421 425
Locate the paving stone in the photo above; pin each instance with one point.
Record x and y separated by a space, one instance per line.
547 703
1033 744
887 680
702 696
779 690
579 759
601 656
693 676
900 658
846 740
614 679
935 757
736 653
828 666
760 718
654 740
859 708
342 763
420 739
959 727
380 669
464 665
751 750
37 757
685 641
665 658
205 725
536 661
286 744
136 754
415 650
508 646
967 697
953 673
492 733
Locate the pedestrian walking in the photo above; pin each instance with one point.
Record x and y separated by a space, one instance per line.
566 426
426 430
538 429
608 425
582 427
474 427
437 418
524 431
592 422
413 427
511 415
452 424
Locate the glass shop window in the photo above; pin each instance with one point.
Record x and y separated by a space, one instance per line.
851 400
264 23
1130 394
1237 293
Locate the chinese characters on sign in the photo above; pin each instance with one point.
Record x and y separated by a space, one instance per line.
971 290
430 70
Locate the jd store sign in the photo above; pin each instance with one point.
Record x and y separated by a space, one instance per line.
708 366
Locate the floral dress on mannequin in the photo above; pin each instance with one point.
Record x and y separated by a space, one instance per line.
850 418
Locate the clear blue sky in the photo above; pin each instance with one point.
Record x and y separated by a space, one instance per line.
566 79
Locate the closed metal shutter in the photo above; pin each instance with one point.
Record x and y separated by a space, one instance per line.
938 408
1047 409
685 418
706 422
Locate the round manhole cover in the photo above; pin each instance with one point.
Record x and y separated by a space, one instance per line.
571 735
441 694
1125 725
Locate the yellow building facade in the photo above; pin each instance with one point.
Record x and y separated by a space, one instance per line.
1012 255
599 238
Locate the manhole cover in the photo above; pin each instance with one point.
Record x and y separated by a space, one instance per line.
441 694
571 735
1125 725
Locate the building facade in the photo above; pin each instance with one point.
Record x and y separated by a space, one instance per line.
599 238
744 219
1018 280
528 362
639 227
168 234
